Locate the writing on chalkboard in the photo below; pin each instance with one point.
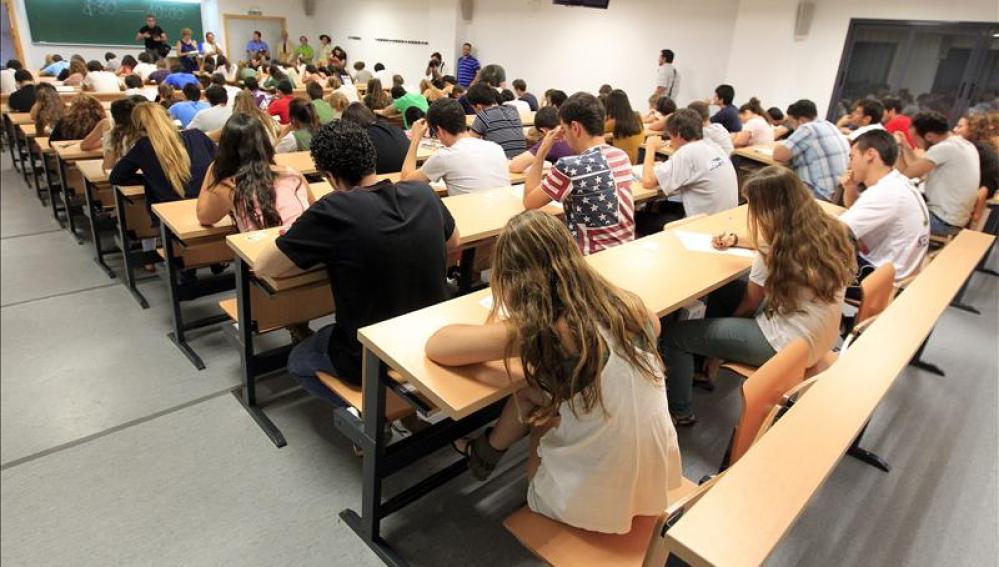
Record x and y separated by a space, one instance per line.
106 8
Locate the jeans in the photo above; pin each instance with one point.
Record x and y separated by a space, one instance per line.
311 356
738 339
940 228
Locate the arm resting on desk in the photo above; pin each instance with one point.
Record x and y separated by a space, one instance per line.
782 153
214 201
274 263
126 171
456 345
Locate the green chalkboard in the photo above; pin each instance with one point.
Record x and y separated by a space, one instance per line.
107 22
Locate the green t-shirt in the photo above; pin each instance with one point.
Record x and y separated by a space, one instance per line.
303 139
305 52
403 104
272 83
323 110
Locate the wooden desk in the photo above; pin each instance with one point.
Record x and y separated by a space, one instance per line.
134 224
302 161
99 208
67 153
761 496
186 246
761 154
20 117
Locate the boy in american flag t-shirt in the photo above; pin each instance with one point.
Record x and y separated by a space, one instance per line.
594 186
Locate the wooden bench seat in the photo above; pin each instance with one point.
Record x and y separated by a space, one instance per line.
395 407
560 544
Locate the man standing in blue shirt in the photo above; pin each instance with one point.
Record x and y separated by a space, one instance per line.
468 66
256 45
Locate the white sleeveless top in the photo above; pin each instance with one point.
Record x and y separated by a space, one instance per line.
599 471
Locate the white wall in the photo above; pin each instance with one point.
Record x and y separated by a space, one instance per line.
576 49
766 61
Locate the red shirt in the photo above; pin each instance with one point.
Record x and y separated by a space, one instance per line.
901 123
280 107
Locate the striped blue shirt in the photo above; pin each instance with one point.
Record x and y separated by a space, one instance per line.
468 66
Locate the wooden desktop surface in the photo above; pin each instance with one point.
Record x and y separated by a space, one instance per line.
19 118
761 496
181 218
70 151
302 161
93 171
763 153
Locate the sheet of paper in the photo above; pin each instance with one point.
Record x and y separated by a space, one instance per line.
697 242
518 192
487 302
765 150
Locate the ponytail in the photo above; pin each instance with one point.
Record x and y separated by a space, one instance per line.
755 107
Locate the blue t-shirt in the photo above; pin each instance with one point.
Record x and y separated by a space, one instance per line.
728 116
55 68
255 46
178 80
468 66
185 111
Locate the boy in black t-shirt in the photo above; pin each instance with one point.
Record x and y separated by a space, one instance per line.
384 245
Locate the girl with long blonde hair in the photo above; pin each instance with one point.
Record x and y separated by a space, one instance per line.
594 381
246 103
173 163
804 262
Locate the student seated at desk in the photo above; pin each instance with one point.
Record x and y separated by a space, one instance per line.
795 288
623 125
950 168
83 115
178 77
167 96
866 116
244 181
126 68
48 108
218 80
698 170
23 98
76 73
402 101
817 151
173 163
977 129
756 129
116 135
602 449
886 214
494 122
375 97
8 83
389 140
145 67
304 125
184 112
594 186
465 163
54 66
260 97
215 116
545 120
520 89
280 106
99 80
664 107
246 104
384 246
133 86
728 114
324 112
710 131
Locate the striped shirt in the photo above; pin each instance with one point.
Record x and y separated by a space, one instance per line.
502 125
468 66
819 155
595 190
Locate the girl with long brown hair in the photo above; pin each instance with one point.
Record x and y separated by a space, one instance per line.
83 115
173 163
116 135
246 103
981 129
375 97
48 108
804 262
594 382
303 125
756 127
623 125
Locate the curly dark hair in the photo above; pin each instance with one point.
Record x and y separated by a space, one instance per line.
343 150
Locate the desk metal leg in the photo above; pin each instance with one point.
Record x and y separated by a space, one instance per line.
861 454
10 129
466 270
47 174
919 363
248 359
125 243
177 335
94 214
958 302
66 201
31 164
20 155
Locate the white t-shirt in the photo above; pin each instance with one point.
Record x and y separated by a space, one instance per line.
210 119
231 92
520 105
952 187
891 223
599 470
760 131
144 70
349 91
853 135
228 72
102 82
7 82
704 177
814 321
717 134
149 94
470 165
668 78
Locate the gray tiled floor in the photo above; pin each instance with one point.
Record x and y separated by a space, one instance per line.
115 451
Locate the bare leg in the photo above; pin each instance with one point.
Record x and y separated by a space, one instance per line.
509 427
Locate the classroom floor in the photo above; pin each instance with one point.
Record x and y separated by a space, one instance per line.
114 450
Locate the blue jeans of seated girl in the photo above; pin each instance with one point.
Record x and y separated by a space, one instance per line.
737 339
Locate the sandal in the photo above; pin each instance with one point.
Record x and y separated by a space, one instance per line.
482 457
684 420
